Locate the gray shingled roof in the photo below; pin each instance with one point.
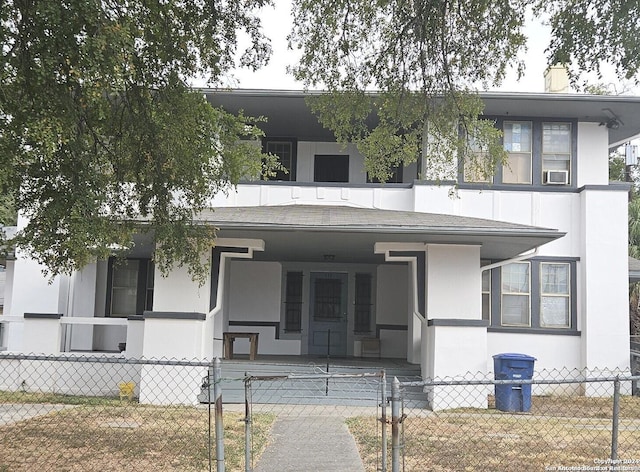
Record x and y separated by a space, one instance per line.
342 218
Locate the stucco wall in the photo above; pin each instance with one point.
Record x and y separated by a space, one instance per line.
254 291
391 294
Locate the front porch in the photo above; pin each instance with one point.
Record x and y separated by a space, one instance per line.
310 379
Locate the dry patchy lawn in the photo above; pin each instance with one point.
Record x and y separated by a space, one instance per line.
103 435
559 431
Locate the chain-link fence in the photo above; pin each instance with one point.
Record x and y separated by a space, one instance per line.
559 420
79 413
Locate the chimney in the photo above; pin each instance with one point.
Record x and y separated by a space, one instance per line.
556 79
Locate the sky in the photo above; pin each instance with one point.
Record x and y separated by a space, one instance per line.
277 24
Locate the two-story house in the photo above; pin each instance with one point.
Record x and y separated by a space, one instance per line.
321 257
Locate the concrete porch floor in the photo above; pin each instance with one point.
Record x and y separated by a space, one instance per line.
357 363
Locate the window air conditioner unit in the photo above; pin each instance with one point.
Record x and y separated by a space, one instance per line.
556 177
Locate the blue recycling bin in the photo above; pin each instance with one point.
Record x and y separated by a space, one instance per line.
512 366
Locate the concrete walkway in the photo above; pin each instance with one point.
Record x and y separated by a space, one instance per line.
14 412
310 444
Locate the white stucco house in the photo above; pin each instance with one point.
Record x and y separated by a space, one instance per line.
534 261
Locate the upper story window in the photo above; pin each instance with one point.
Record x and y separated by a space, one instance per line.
539 153
473 170
331 168
517 142
556 153
395 178
286 150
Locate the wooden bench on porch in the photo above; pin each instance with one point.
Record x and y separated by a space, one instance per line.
229 337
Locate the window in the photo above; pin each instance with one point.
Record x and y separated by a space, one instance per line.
473 168
293 303
130 287
395 178
556 153
517 143
328 299
486 295
286 150
555 306
362 323
538 153
536 295
516 306
331 168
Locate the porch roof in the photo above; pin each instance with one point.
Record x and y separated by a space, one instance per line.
296 232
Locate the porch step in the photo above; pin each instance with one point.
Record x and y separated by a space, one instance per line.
269 388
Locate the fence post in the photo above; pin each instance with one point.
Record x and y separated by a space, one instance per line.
383 421
217 393
616 417
247 422
395 425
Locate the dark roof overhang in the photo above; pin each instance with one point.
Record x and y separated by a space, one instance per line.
289 116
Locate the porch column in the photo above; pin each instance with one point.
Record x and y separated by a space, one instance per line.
226 249
604 268
42 334
178 336
454 339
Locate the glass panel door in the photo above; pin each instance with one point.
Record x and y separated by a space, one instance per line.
328 317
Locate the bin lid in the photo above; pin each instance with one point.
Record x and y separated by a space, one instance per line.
514 355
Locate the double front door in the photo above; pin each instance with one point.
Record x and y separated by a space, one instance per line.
328 314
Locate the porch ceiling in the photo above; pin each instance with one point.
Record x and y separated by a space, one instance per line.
289 116
346 234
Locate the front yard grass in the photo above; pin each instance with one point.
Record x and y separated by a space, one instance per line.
559 431
101 434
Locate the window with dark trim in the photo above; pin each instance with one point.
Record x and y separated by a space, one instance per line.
129 287
286 150
362 322
331 168
486 293
395 178
518 144
539 294
556 153
540 153
293 302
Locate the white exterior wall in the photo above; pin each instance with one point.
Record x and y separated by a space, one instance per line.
178 292
454 282
593 154
391 301
8 286
392 308
83 294
604 271
456 342
263 281
32 293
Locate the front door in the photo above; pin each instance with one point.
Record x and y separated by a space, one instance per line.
328 314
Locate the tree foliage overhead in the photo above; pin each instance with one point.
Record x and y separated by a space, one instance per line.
100 132
101 136
411 52
427 59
